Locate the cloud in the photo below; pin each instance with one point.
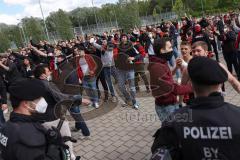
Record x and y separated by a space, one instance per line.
10 19
32 8
16 2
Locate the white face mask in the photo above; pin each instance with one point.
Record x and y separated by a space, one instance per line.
41 106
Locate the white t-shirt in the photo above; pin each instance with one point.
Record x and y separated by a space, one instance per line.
84 66
150 49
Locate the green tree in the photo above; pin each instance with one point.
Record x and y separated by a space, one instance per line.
225 3
83 16
61 24
128 15
144 8
155 13
4 42
178 8
14 35
33 28
159 5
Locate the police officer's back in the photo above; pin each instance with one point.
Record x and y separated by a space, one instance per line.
22 138
209 127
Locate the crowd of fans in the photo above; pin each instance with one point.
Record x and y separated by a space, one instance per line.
121 58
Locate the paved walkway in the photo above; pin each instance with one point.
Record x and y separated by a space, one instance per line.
124 133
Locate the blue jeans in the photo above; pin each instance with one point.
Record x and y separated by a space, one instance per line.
79 121
89 83
172 61
123 77
164 111
108 72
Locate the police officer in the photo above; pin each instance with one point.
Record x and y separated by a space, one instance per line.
3 99
208 129
22 138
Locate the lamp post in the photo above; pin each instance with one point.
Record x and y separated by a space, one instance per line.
45 25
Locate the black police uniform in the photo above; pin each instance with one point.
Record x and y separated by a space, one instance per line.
23 138
3 91
208 129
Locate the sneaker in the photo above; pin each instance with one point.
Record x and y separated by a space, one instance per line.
114 99
96 105
136 106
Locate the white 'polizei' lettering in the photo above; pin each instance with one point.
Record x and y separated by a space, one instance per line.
3 140
207 132
214 132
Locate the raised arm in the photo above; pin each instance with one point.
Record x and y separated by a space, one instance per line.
231 79
39 52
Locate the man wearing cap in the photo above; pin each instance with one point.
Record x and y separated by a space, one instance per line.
22 138
206 129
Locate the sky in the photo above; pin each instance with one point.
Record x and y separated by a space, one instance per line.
11 11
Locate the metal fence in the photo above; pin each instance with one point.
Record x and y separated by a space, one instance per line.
102 27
